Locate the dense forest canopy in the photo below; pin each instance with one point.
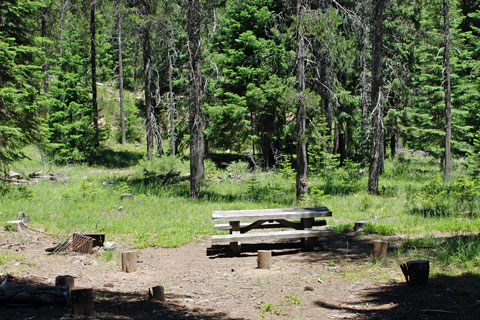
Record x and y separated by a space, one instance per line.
345 80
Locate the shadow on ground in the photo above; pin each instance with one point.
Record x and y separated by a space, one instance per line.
117 159
337 248
117 305
445 297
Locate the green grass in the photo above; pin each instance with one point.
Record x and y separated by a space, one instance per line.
6 257
109 255
87 199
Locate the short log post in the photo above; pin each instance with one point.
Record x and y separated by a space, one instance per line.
264 259
359 225
129 261
380 249
65 281
416 272
82 303
158 293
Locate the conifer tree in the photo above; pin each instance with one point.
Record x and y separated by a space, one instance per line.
20 77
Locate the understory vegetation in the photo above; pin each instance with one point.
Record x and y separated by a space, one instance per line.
435 220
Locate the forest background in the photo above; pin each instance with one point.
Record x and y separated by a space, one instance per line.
322 90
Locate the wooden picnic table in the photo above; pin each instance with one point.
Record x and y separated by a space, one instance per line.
240 222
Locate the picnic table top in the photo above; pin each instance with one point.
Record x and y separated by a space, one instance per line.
270 214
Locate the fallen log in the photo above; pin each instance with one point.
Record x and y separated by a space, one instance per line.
36 295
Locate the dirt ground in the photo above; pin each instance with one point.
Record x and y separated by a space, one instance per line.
336 281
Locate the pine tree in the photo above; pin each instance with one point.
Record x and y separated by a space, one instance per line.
20 77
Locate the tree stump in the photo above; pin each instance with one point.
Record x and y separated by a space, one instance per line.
359 225
416 272
129 261
82 303
65 281
158 293
264 259
380 249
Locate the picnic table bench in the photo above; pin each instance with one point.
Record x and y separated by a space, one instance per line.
240 222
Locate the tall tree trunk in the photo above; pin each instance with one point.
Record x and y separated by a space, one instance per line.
365 81
326 80
447 88
171 105
377 97
302 179
120 72
135 65
197 170
147 74
94 72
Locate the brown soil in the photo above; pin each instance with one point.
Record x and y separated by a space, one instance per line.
336 282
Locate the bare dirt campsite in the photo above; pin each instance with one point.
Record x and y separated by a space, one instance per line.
337 280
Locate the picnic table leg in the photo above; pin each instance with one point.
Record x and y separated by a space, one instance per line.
307 224
235 247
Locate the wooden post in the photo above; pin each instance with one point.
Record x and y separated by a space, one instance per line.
264 259
307 224
65 281
380 249
235 247
129 261
416 272
158 293
82 303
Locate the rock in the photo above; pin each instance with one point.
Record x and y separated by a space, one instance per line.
109 245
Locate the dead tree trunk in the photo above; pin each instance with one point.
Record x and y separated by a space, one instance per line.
365 81
196 95
447 88
120 72
93 63
376 151
147 74
302 179
171 104
326 80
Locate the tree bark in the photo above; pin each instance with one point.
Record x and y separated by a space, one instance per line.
326 80
365 81
196 94
171 105
447 88
120 72
93 63
147 74
302 179
376 151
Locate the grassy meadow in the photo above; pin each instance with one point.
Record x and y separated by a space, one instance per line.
414 202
